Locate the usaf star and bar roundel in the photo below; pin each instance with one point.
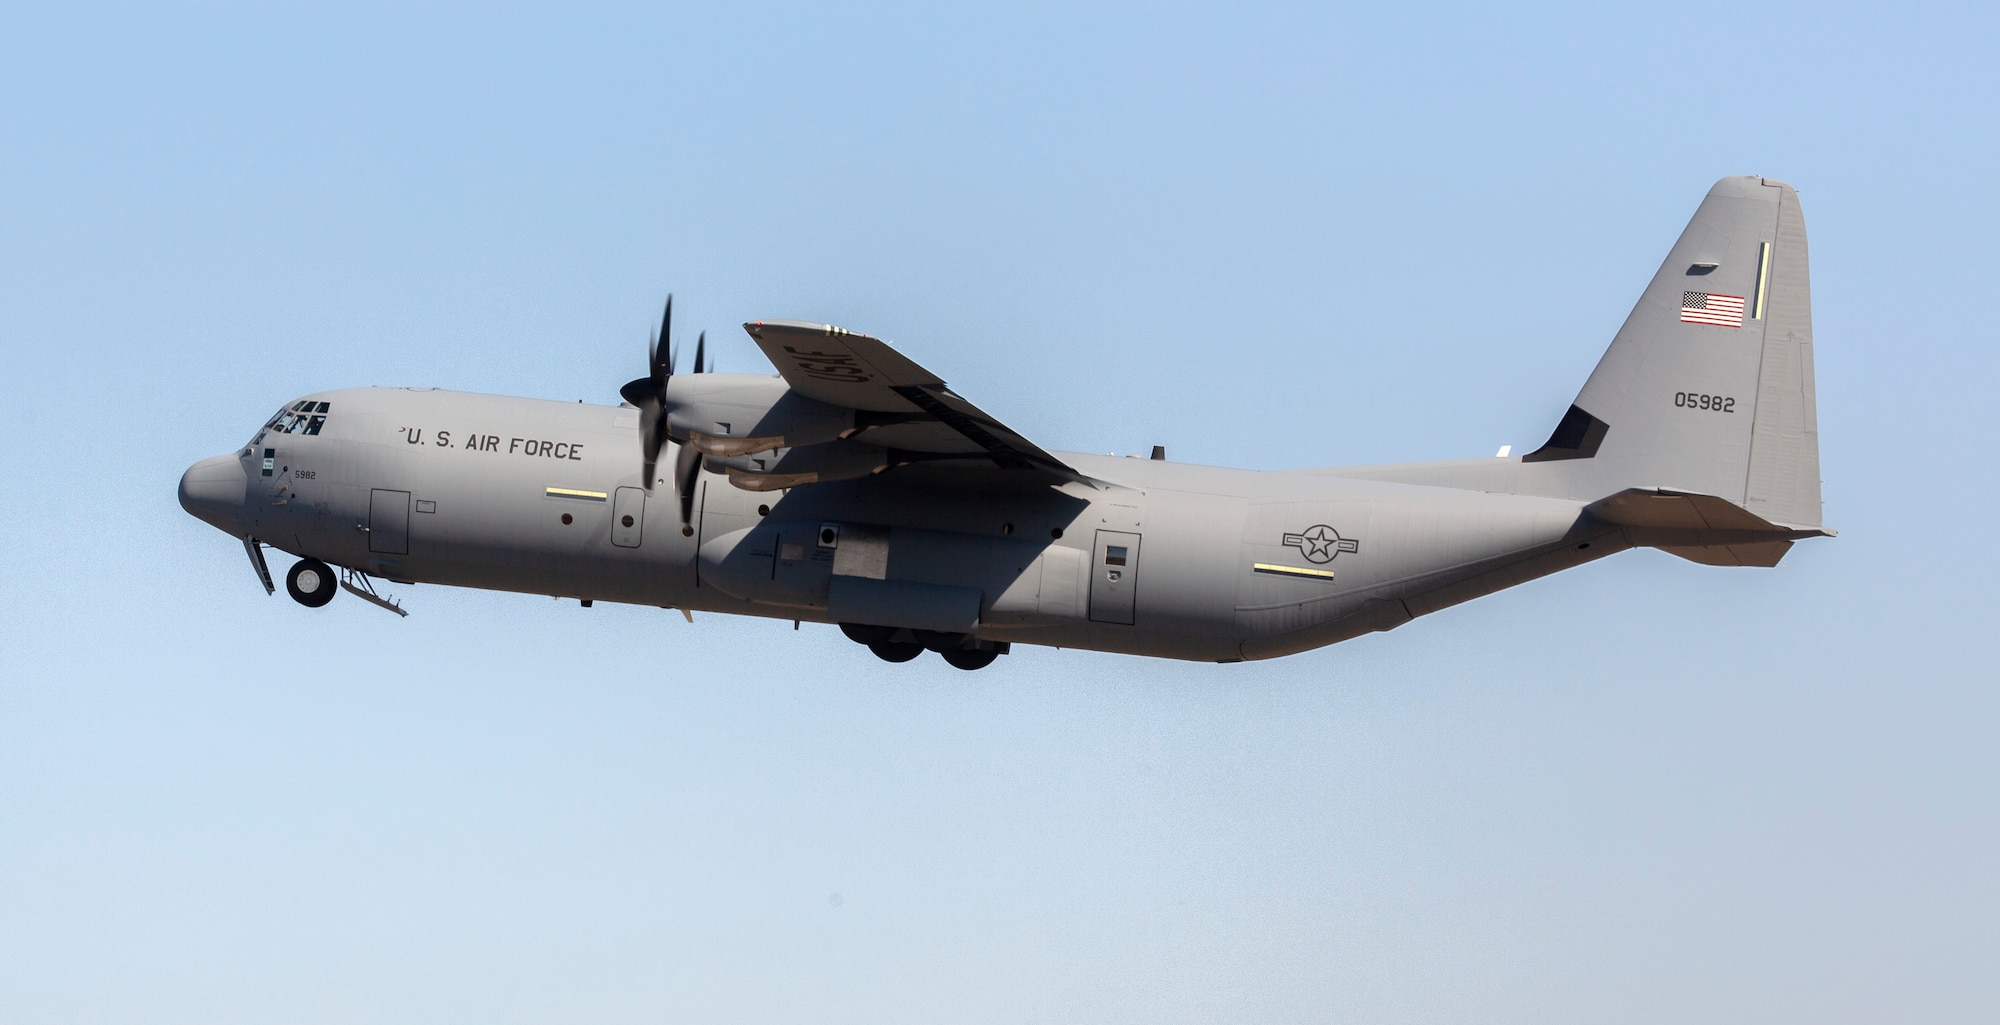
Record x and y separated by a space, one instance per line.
1320 543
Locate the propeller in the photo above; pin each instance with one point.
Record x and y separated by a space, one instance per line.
649 395
687 461
687 467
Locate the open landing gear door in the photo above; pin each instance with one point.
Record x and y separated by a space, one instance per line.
256 550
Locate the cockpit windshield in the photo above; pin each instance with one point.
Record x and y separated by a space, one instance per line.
303 417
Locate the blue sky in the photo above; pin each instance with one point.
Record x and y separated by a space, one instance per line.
1643 791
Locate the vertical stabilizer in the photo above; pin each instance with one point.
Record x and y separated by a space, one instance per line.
1708 387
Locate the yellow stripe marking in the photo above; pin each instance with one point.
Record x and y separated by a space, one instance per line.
589 496
1292 571
1763 281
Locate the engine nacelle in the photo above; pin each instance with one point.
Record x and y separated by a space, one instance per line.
731 415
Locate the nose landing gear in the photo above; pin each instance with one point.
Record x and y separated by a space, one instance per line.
311 583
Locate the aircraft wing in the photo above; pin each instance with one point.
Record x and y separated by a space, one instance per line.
903 406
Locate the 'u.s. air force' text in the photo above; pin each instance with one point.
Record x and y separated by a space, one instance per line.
541 448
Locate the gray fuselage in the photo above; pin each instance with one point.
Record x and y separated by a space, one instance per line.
1165 559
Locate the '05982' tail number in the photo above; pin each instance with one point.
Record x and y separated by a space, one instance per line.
1711 403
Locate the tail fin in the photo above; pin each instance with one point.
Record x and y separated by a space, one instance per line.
1708 388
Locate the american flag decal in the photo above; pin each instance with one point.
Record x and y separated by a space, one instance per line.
1710 308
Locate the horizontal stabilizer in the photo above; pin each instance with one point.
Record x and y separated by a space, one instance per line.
1700 528
1764 553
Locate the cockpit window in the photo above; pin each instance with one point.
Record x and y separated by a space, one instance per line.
302 417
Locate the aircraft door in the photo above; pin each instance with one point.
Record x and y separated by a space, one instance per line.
628 517
389 522
1114 577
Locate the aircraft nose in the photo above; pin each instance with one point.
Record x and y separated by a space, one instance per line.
212 492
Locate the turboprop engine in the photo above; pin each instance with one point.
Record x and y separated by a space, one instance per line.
730 415
752 427
767 437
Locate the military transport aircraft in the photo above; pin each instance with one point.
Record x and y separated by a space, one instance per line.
854 487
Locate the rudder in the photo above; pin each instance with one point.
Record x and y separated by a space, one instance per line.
1783 485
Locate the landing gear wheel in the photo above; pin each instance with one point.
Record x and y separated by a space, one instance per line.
861 634
895 651
311 583
969 658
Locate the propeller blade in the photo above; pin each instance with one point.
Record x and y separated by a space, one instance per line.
649 395
687 469
663 370
650 419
